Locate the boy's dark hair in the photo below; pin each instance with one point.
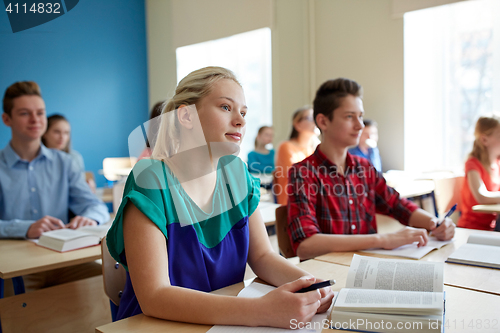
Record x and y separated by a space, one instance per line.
16 90
330 95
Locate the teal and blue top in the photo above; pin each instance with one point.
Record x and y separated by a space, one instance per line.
206 250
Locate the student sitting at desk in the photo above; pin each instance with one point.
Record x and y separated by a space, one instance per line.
367 146
38 186
188 222
334 195
58 136
298 147
261 160
482 174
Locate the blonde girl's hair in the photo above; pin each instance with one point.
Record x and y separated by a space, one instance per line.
484 126
190 90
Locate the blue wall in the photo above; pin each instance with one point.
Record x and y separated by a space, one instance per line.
91 65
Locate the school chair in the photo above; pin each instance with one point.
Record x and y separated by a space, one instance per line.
284 244
114 278
447 192
117 195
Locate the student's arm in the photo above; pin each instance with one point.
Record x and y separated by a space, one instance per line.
28 228
82 201
319 244
17 228
270 266
479 191
283 163
304 228
147 261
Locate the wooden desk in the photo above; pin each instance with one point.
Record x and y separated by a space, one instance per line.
462 307
464 276
268 212
415 188
487 208
76 307
21 257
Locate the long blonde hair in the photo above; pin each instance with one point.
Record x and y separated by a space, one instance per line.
484 126
190 90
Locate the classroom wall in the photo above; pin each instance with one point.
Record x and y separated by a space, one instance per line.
91 64
312 41
360 40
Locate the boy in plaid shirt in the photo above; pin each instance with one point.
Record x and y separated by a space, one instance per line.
333 196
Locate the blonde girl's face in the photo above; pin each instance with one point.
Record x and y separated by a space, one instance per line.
57 136
222 113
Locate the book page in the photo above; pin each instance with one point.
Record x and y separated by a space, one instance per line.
493 239
98 230
389 301
256 289
412 250
395 274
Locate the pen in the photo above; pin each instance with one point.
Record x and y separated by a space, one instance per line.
447 214
317 286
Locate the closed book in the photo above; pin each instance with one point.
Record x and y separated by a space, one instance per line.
481 250
63 240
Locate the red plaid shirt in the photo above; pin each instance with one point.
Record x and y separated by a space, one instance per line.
322 200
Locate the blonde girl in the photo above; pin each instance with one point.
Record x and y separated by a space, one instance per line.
482 173
189 221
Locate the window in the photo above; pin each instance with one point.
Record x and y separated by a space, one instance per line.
248 55
450 80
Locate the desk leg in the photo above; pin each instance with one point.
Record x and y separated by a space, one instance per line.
1 288
18 284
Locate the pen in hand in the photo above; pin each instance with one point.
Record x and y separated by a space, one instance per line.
447 215
315 286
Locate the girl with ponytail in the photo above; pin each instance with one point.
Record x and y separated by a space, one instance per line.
482 173
188 223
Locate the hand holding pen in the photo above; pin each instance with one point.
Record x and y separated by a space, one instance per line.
448 232
452 209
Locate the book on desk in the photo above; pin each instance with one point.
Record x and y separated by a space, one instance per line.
390 295
480 250
412 250
63 240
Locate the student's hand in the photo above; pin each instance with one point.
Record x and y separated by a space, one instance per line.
80 221
404 236
283 305
326 298
445 231
46 223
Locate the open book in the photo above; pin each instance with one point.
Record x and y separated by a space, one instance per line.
390 295
63 240
481 250
411 250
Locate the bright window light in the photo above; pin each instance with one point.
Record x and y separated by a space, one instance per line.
451 56
248 55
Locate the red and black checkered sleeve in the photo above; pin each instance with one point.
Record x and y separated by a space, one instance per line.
302 221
